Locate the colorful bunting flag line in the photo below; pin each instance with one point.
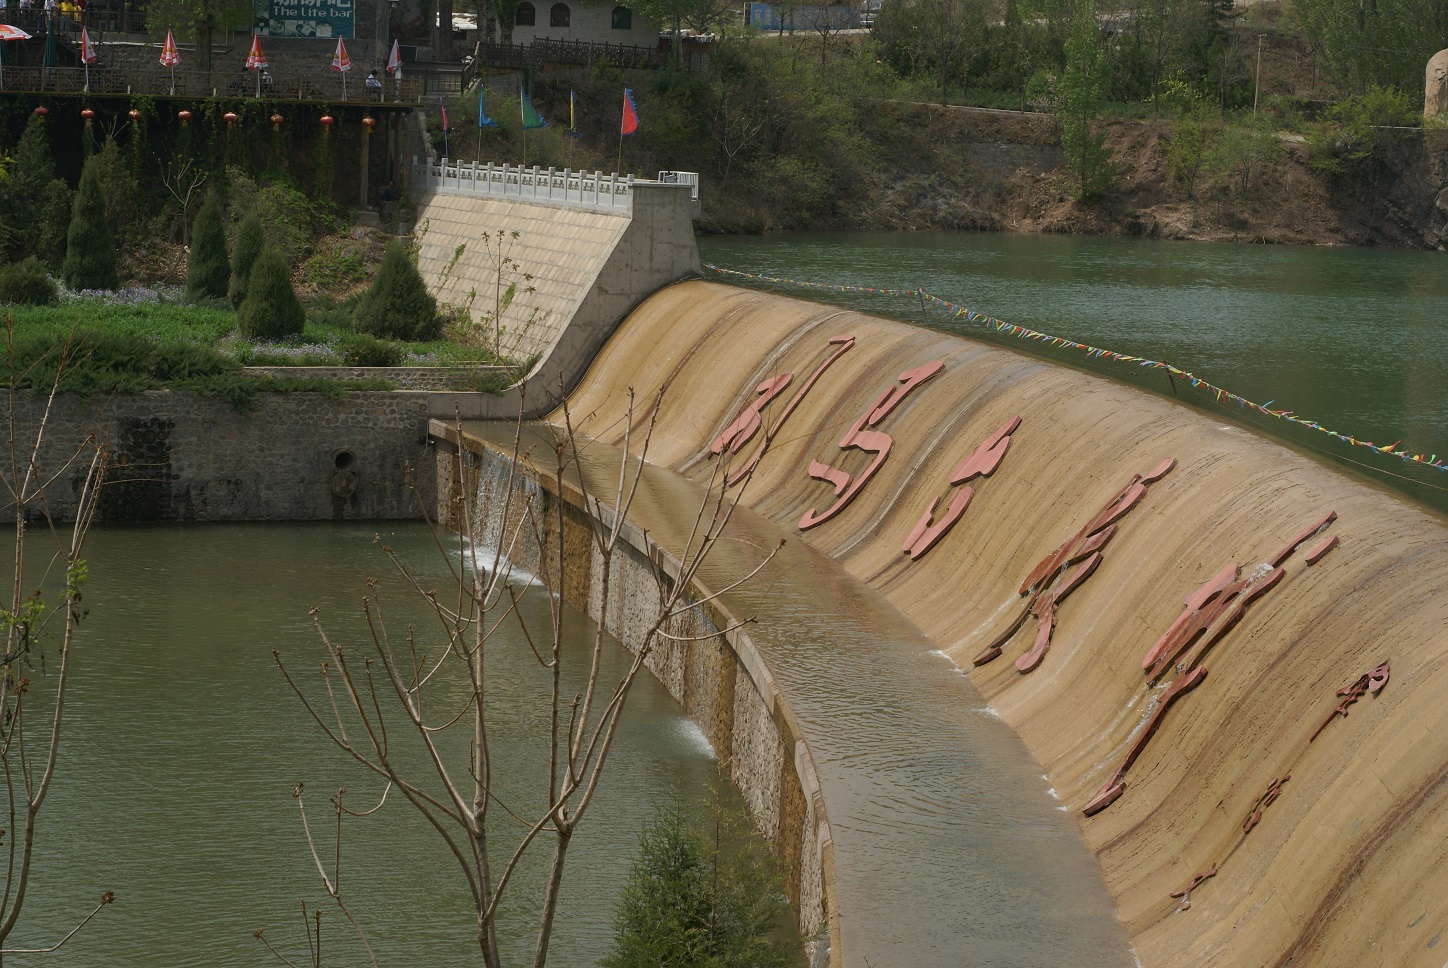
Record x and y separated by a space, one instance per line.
1022 332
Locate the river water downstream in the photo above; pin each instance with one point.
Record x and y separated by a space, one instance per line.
1354 339
183 742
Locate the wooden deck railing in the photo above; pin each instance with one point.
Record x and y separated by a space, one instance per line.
286 87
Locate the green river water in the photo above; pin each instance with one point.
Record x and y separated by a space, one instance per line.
183 742
1353 339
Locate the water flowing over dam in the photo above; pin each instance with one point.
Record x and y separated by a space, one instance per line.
1238 704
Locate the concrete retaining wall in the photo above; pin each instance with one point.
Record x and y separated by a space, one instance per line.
719 679
292 457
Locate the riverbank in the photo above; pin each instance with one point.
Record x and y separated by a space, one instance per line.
959 168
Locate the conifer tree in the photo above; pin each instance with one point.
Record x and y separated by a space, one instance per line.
90 255
397 305
249 242
208 272
34 204
271 309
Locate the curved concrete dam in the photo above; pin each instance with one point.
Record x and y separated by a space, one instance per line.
1225 657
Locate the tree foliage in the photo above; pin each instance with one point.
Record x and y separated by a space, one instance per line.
208 271
90 254
1382 43
1346 137
34 203
699 895
1082 90
249 241
271 309
397 305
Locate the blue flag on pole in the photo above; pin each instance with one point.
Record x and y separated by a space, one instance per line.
483 120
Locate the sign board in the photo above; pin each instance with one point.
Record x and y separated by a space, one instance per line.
305 18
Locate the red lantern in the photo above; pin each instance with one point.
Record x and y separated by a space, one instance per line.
134 114
41 111
87 114
368 122
229 117
185 116
326 120
276 120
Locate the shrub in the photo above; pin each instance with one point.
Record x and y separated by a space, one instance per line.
29 194
271 309
397 305
27 283
90 255
362 349
698 898
249 241
208 272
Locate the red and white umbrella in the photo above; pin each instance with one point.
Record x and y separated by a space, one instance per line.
256 61
8 32
170 56
341 63
394 59
87 55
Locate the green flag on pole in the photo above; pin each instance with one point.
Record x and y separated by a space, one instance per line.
531 118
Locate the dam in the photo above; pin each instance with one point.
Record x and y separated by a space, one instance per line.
1235 708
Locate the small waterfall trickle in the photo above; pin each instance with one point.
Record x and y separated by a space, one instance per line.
506 514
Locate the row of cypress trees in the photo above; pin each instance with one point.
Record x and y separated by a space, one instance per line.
256 279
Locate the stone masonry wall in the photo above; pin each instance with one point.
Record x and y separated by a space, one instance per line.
291 457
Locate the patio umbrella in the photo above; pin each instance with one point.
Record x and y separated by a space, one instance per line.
394 66
256 61
8 32
87 55
51 56
341 63
170 57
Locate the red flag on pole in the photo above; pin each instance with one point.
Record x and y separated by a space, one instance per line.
394 59
170 56
87 52
340 61
630 115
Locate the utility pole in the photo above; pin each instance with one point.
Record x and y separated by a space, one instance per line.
1257 83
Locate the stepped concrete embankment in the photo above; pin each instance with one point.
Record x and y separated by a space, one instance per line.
1281 771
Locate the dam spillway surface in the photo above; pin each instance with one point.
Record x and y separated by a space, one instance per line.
1246 803
949 848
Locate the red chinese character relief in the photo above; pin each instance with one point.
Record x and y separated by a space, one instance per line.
1185 894
1211 611
1049 582
860 436
733 438
1371 681
980 462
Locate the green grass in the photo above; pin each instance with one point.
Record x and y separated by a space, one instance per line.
132 348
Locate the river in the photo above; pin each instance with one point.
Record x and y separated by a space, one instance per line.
1353 339
183 742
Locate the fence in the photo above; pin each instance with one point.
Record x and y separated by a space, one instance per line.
160 82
